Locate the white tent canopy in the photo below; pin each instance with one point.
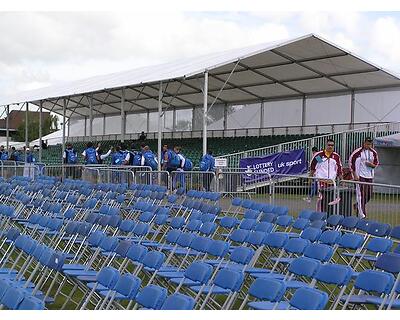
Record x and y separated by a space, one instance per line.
300 67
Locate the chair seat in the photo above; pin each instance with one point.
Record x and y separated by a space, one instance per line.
8 270
214 290
268 275
87 278
99 287
76 273
186 282
257 270
171 274
357 299
283 260
378 301
266 305
73 266
117 296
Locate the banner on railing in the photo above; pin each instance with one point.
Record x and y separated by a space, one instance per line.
287 162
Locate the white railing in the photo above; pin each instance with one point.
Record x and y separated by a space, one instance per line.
346 142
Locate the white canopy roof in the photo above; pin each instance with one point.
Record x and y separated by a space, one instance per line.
303 66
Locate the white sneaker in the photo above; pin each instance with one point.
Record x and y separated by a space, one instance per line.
308 200
362 215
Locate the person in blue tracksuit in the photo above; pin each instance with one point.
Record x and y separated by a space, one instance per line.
90 154
70 159
3 154
207 166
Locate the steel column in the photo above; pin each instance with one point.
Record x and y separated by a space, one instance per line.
7 127
104 125
40 129
352 108
63 133
205 94
303 111
26 125
91 117
123 127
160 95
262 111
84 129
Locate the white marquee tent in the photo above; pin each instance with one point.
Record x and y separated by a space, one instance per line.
301 67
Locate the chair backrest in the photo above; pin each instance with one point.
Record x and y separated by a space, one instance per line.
128 285
380 245
296 245
311 234
316 215
177 222
349 222
276 239
239 235
268 289
208 228
319 251
178 301
337 274
284 221
375 281
13 297
395 232
268 217
242 255
334 220
304 266
301 224
351 241
185 239
256 238
218 248
153 259
330 237
305 214
136 252
152 297
247 224
264 226
229 279
199 271
379 229
123 247
31 303
251 214
309 299
389 262
108 277
201 244
228 222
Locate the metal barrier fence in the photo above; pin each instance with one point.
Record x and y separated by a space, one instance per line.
193 180
161 178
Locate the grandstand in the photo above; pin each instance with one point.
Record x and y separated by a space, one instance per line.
102 237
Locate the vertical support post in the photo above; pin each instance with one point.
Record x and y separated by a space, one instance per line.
26 125
68 128
262 112
352 108
303 113
104 125
85 126
225 116
63 133
205 95
174 120
123 115
193 120
7 127
91 116
148 122
160 94
40 129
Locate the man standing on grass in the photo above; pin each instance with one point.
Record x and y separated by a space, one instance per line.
325 166
363 162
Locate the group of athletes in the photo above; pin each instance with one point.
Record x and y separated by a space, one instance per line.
326 166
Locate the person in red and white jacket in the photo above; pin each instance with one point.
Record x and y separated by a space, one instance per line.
363 162
326 166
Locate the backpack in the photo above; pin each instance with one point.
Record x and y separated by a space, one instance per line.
150 160
4 155
206 163
71 156
136 159
119 157
30 158
173 159
91 157
188 166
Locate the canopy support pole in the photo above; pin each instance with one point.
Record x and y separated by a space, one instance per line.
160 95
123 129
352 108
303 113
26 126
262 111
174 120
91 117
148 122
205 94
225 116
7 127
63 133
104 125
40 129
85 125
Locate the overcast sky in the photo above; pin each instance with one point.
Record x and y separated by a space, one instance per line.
40 49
